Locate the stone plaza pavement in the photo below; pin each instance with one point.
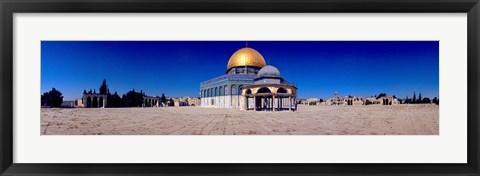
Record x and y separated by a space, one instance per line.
308 120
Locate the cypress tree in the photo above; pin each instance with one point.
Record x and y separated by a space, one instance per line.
103 88
414 98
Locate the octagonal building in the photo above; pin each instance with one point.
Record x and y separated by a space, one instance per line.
246 68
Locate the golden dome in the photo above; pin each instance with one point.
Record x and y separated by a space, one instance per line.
246 56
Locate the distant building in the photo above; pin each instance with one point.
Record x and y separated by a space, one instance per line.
91 100
193 101
68 104
151 101
354 101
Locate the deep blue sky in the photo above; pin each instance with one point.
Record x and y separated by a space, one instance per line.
176 68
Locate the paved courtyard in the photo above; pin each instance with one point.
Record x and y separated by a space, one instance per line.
308 120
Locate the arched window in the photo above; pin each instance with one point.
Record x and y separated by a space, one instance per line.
221 91
264 90
216 92
248 92
225 89
234 90
239 89
281 90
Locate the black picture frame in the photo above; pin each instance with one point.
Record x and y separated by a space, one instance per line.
9 7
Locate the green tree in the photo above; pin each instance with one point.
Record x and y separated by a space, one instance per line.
435 100
114 100
419 98
171 102
414 98
381 95
139 99
84 91
45 99
103 88
163 99
52 98
426 100
133 99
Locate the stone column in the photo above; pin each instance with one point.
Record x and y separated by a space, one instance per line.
273 103
243 105
104 102
290 102
254 103
295 103
280 103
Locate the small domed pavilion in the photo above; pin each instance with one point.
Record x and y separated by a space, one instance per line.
270 92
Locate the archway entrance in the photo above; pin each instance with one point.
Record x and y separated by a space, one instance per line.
89 102
100 102
95 102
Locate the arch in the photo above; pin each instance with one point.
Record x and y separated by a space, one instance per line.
239 89
264 90
100 102
89 102
225 89
216 92
95 102
233 90
248 92
220 90
282 90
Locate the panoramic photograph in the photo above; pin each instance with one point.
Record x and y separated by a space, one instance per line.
239 88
